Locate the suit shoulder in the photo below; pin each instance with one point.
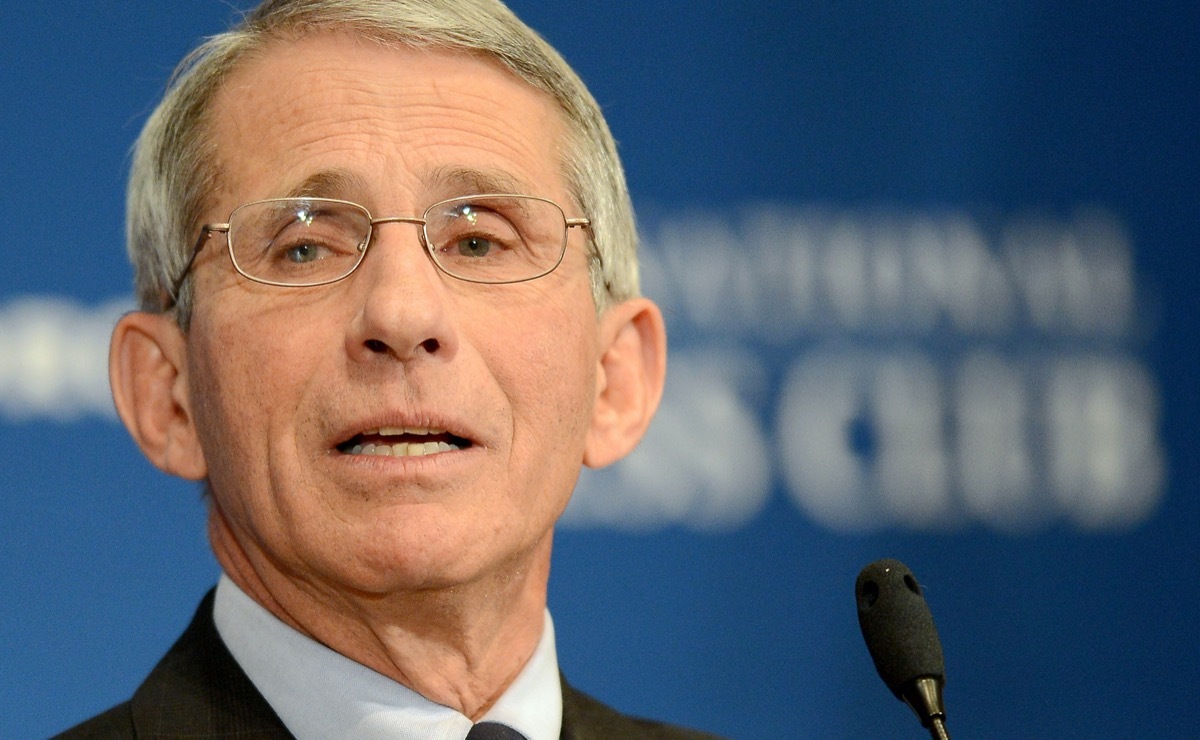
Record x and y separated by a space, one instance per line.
585 718
111 725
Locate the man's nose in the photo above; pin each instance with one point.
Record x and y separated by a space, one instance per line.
402 296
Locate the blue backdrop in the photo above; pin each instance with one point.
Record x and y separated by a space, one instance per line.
930 276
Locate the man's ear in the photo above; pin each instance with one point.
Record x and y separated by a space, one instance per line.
148 373
629 382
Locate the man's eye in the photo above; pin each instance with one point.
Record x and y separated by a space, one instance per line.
301 253
474 246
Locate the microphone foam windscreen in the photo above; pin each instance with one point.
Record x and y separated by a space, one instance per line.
897 625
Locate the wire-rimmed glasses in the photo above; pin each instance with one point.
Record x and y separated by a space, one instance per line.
303 242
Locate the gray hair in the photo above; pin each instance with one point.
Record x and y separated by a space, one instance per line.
174 170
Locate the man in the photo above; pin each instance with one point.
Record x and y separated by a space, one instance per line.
386 265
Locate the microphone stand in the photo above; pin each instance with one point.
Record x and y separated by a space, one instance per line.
937 729
924 696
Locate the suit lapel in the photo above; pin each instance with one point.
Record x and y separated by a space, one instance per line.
198 689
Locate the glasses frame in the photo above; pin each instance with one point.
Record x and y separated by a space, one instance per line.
208 230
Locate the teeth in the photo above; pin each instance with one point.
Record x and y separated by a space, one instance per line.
396 431
403 449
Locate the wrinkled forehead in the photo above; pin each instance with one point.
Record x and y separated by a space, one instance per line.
296 108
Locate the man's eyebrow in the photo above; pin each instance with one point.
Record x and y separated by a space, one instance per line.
328 184
473 181
449 180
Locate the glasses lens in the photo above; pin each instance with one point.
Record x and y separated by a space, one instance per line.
496 239
298 241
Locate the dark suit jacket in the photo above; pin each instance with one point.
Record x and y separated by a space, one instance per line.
199 691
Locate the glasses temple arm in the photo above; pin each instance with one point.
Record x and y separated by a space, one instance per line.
205 232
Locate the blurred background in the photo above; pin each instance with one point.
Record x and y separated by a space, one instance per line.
930 276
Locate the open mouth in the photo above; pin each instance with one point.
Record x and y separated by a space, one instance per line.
403 442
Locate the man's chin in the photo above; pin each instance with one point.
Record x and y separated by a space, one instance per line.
386 567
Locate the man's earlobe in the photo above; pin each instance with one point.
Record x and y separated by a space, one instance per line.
633 368
148 374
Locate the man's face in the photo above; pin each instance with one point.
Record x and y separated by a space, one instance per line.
284 381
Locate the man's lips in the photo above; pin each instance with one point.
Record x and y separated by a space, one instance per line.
403 442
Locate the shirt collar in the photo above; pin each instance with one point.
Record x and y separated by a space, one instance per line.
319 693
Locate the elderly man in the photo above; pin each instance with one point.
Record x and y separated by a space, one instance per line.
386 264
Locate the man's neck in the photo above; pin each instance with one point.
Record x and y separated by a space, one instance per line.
460 646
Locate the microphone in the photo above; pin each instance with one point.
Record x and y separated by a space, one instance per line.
898 629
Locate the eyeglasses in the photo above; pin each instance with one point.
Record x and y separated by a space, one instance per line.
304 242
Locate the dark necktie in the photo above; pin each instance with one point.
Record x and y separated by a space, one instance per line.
493 731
